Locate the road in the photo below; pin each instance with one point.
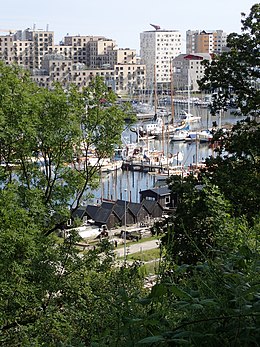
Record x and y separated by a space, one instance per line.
137 247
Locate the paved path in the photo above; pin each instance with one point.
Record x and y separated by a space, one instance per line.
137 247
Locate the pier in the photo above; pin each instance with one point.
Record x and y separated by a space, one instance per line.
142 166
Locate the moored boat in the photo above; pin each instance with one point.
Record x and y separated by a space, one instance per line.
180 135
200 136
189 117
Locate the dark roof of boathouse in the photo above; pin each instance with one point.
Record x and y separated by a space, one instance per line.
91 210
102 215
79 212
160 191
135 207
119 208
149 205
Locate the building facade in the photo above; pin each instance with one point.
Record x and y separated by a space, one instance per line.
188 69
203 41
122 78
157 49
26 48
76 60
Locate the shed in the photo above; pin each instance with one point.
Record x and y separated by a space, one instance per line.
163 195
79 212
91 211
138 211
154 209
122 212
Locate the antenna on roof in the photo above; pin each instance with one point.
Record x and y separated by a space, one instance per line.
156 27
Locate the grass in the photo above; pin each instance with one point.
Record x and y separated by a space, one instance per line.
150 258
151 268
145 256
144 239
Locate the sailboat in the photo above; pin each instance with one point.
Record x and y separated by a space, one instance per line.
188 117
158 128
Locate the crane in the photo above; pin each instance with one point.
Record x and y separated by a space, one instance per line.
156 27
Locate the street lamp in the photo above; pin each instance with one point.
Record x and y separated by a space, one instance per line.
125 230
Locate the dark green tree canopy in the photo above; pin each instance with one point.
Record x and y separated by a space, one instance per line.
235 75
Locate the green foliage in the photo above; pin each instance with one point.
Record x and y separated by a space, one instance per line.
210 304
51 295
47 133
201 223
207 291
234 75
237 174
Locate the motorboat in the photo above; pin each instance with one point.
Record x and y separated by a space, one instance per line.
180 135
200 136
189 117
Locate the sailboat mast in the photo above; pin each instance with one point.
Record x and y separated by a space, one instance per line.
155 91
163 138
172 101
188 92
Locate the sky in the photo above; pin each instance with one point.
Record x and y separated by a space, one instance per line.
122 21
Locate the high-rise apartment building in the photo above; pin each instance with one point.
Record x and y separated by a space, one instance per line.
6 48
157 48
205 41
26 48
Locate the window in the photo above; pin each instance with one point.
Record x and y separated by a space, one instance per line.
150 198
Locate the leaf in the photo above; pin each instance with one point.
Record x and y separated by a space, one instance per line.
152 339
179 292
144 301
208 302
196 306
158 290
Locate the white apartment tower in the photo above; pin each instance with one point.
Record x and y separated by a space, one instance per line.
157 49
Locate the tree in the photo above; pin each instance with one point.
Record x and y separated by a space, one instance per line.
101 126
46 139
209 304
209 296
234 75
53 295
200 225
236 169
228 188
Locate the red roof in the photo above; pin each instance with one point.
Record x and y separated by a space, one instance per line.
193 57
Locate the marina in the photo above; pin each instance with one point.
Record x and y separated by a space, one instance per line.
113 184
127 181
